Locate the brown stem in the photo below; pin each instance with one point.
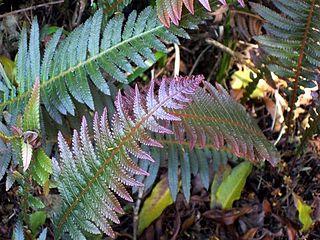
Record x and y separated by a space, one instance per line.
31 8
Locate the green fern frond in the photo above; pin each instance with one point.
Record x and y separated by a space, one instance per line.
88 50
292 40
196 161
92 173
188 160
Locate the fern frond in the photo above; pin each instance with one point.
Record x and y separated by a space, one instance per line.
88 50
215 117
211 123
196 161
93 172
292 40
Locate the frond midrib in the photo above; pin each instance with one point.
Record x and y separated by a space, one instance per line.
226 121
113 153
197 145
78 66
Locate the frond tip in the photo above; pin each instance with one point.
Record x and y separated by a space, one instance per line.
93 172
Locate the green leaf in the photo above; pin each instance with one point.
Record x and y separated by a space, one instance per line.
304 212
35 202
154 205
219 177
42 167
36 220
31 120
231 188
8 67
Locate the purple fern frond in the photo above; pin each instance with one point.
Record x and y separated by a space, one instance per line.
94 171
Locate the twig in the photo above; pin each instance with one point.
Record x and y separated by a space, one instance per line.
31 8
223 48
238 56
198 60
248 14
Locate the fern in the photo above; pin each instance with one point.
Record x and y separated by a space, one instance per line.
64 67
92 172
292 40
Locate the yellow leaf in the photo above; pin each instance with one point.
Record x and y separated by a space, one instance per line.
9 67
232 186
154 205
304 212
241 79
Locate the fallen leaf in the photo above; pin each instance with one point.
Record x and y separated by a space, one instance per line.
154 205
249 234
226 217
305 212
231 188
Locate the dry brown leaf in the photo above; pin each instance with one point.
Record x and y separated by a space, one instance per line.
226 217
249 234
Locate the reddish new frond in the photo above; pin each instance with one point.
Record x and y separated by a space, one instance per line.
170 10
